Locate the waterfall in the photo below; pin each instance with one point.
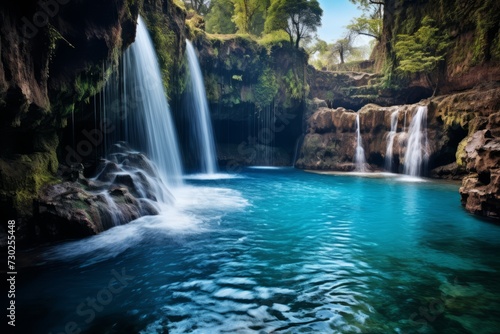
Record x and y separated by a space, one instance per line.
416 149
359 158
390 140
115 214
202 126
136 107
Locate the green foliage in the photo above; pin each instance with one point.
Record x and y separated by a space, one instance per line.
370 23
422 51
367 26
295 86
332 56
249 15
277 37
199 6
298 18
212 87
343 47
218 19
487 23
266 88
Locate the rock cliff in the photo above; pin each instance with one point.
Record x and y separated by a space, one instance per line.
51 62
256 94
463 131
55 57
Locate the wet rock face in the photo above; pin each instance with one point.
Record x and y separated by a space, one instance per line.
353 90
463 133
331 138
124 189
480 191
51 62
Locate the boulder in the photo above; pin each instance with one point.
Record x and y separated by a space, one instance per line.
82 207
480 190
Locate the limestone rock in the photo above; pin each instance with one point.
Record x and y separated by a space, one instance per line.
83 207
480 191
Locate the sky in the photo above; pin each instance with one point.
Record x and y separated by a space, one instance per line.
337 14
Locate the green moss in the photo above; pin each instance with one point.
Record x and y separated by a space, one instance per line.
212 88
275 38
295 86
495 47
164 40
22 178
266 88
487 21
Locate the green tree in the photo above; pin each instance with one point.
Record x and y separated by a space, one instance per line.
298 18
365 3
248 14
370 23
344 47
422 51
218 19
367 26
321 55
199 6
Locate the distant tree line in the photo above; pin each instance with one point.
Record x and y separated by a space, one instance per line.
299 19
329 55
420 52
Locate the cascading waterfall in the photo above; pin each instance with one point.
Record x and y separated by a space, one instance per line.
115 214
417 147
136 105
359 158
202 126
390 140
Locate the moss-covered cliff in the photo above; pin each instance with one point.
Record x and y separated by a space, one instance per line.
51 63
256 93
55 58
166 24
473 28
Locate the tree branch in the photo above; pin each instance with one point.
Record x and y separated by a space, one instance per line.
368 34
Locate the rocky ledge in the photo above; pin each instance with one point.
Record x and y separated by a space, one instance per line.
480 191
125 188
463 131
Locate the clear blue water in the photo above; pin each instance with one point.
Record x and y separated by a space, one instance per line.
277 251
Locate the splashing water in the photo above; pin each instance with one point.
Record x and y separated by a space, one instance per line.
137 106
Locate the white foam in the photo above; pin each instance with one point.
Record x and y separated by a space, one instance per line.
268 167
408 178
234 294
214 176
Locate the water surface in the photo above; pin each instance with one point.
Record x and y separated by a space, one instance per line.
278 251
